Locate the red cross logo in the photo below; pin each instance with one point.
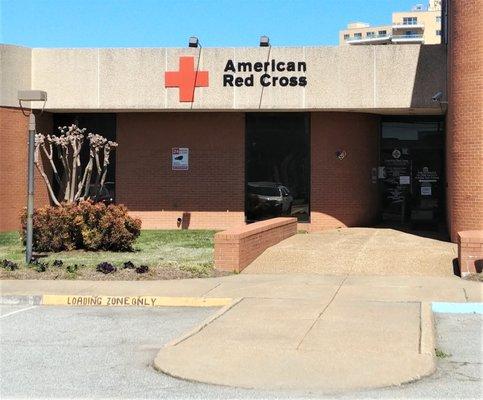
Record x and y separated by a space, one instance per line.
186 79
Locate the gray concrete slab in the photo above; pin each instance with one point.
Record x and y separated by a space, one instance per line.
367 327
290 331
272 369
358 251
278 288
459 376
403 293
53 352
302 285
294 345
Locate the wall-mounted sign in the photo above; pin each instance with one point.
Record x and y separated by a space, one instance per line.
265 73
427 176
180 159
404 180
396 153
374 174
236 74
425 190
186 79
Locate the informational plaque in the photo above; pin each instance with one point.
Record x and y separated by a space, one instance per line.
180 159
404 180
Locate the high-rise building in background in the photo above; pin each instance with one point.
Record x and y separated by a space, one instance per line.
421 25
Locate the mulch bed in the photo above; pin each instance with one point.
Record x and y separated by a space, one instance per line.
90 274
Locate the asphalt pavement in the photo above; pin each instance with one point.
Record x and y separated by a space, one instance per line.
95 352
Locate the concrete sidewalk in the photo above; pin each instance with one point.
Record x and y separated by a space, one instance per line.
295 331
289 286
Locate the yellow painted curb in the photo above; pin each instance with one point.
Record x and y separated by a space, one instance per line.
133 301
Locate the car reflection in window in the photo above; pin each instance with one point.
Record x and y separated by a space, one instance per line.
103 195
268 200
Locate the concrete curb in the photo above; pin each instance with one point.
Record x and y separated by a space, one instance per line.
21 300
203 324
114 301
427 345
189 334
428 330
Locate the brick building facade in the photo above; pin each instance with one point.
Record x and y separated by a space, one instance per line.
465 116
373 135
13 161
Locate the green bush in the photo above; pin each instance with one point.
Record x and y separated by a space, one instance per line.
86 225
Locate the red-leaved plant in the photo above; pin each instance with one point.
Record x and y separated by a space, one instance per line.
84 225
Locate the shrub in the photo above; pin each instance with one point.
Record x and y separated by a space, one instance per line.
9 265
129 265
106 268
85 225
72 269
39 266
142 269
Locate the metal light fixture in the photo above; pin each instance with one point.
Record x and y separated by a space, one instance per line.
437 98
193 42
30 95
341 154
264 41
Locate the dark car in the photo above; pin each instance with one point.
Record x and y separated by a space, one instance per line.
268 199
105 195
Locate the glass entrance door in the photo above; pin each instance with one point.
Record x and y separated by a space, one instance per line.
412 172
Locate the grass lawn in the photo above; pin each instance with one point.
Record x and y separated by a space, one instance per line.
169 254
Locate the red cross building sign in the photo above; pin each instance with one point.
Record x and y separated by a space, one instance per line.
186 79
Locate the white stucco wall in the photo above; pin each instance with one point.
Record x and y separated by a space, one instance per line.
364 78
15 73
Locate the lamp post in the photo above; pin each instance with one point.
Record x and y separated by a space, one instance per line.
30 95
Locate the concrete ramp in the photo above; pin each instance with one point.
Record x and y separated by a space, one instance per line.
358 251
303 344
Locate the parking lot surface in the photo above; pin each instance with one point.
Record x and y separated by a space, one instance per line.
55 352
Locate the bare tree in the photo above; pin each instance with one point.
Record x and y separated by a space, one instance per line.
74 179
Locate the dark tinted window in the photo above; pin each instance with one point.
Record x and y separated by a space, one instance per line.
278 154
101 123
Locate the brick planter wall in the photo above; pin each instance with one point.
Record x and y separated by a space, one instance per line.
236 248
470 251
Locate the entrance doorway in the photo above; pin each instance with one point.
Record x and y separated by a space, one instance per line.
413 181
277 160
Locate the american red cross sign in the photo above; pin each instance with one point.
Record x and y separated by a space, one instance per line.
186 79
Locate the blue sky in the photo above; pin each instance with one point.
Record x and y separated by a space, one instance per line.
169 23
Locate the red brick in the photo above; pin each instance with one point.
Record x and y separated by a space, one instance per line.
236 248
464 154
13 166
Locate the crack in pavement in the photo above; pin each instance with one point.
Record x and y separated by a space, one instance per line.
210 290
322 312
359 255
